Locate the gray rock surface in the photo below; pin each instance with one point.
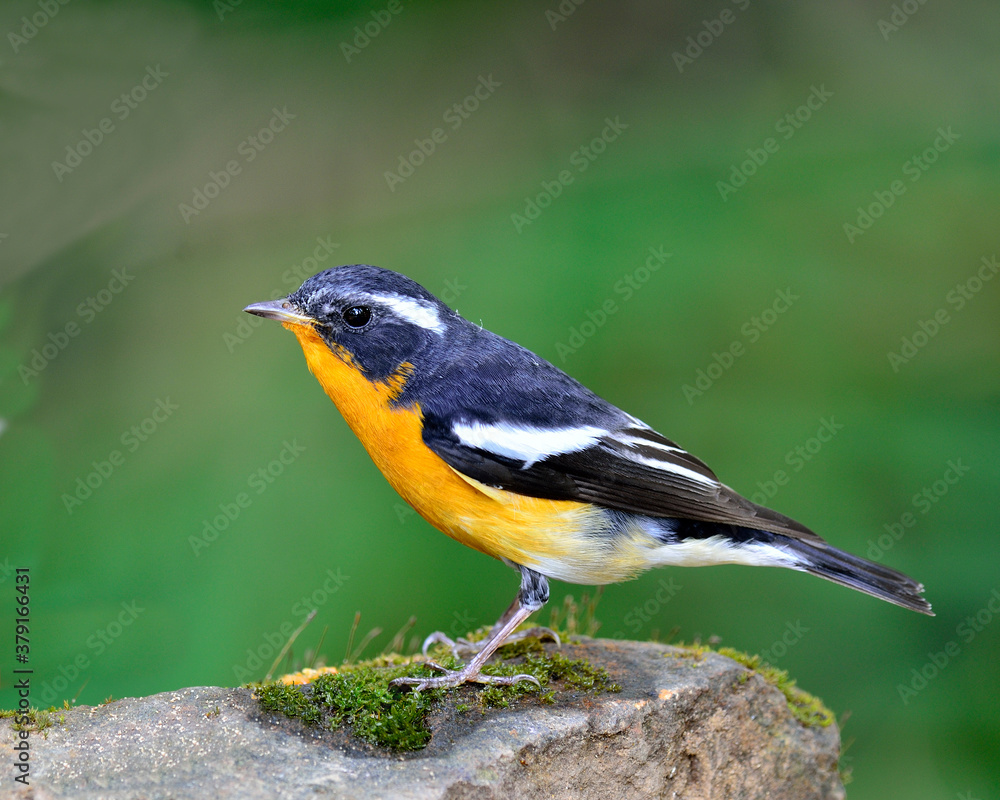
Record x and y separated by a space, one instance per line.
680 728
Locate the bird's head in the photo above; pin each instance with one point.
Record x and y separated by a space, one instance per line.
375 319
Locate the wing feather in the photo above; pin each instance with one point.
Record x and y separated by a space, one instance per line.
632 469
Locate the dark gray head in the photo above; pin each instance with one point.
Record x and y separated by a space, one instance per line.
380 317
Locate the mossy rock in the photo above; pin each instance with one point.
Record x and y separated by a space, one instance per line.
358 697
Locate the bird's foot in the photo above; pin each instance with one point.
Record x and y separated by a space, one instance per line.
462 646
456 677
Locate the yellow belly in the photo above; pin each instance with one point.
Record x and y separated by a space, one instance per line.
559 538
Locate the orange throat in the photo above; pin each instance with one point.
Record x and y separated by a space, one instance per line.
526 530
392 435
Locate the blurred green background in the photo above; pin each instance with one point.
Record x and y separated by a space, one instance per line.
164 164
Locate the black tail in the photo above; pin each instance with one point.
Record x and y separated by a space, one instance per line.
813 555
857 573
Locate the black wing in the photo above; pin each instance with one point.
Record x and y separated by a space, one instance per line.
632 469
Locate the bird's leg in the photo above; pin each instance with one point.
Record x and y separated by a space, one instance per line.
532 596
462 646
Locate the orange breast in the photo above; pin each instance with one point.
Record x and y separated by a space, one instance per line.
527 530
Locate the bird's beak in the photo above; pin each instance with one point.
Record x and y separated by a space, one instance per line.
281 310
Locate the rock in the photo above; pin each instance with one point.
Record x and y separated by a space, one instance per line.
683 726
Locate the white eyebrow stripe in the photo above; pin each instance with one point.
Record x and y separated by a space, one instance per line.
524 442
419 312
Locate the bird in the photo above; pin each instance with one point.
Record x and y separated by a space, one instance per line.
506 453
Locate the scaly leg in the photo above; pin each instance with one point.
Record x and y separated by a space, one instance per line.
532 596
462 646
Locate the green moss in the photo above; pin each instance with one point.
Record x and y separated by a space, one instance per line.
696 652
524 647
280 698
38 719
806 708
359 696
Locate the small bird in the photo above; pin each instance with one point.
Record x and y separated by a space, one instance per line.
506 453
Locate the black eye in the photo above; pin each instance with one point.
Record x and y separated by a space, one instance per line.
357 316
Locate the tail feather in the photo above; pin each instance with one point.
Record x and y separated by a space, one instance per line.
791 544
857 573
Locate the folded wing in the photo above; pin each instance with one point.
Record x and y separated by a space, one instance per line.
631 468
